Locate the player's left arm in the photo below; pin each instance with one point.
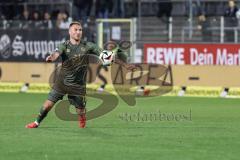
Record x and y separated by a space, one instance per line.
121 58
94 49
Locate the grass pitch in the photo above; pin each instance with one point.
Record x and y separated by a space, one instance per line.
210 130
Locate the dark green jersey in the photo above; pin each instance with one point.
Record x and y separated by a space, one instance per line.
69 51
75 59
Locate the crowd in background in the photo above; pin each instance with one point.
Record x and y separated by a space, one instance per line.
231 15
83 9
203 10
16 15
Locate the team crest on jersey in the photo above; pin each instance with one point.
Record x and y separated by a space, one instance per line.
83 49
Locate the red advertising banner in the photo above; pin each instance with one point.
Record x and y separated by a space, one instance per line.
193 54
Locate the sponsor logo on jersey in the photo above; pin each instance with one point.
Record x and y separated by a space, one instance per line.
83 49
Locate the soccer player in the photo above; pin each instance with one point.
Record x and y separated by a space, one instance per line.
74 74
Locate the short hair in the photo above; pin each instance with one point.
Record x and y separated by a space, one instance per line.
75 22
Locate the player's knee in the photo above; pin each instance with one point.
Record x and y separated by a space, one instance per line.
48 104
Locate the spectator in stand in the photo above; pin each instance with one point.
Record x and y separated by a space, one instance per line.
231 20
47 22
204 26
59 19
63 20
36 20
25 19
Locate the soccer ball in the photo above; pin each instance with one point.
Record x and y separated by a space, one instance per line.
107 57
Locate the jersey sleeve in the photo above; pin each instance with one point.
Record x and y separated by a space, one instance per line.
61 48
94 49
121 55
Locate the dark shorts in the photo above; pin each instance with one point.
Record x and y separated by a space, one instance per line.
77 101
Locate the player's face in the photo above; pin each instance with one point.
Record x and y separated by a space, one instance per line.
231 4
75 32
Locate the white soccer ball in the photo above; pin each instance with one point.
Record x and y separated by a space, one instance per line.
107 57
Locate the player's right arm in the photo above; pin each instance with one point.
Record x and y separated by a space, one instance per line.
58 51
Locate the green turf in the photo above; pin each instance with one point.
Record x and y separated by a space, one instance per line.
211 133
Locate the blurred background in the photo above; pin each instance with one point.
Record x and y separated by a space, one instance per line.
197 38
